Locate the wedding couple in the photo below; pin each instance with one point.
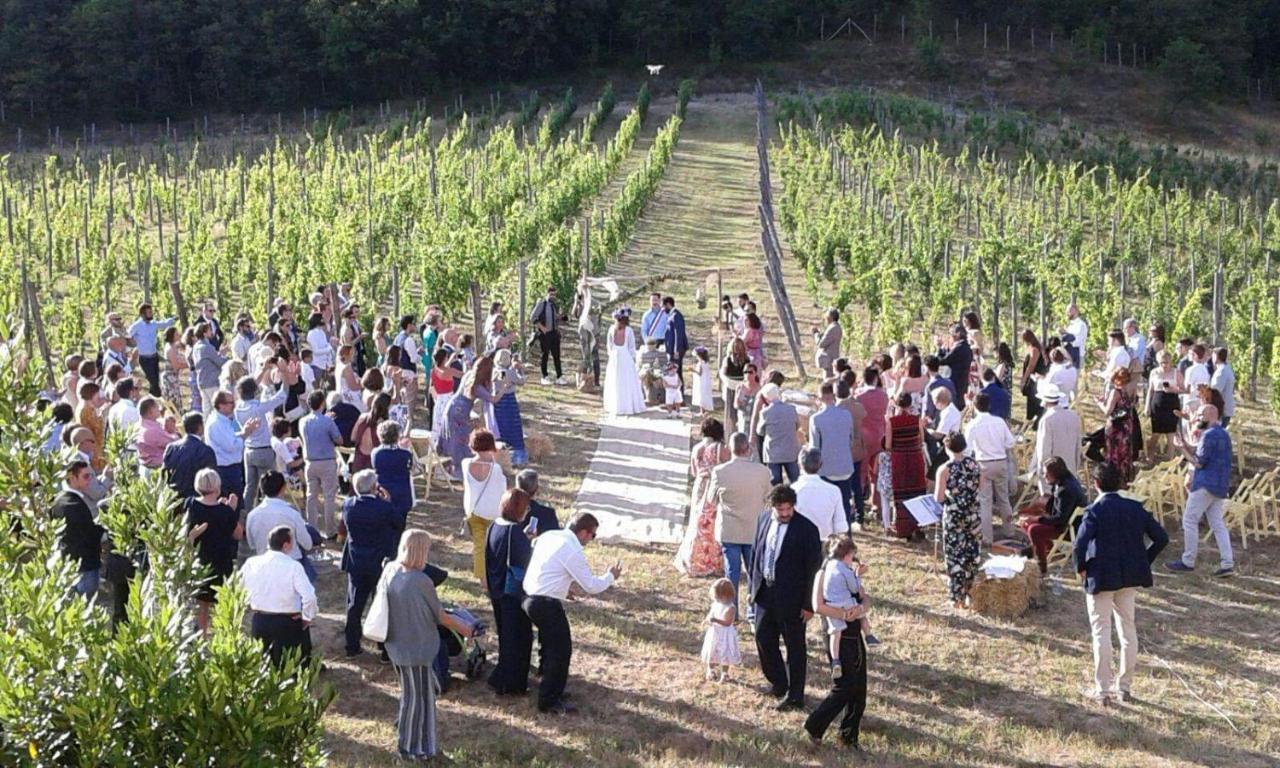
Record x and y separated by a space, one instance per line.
623 394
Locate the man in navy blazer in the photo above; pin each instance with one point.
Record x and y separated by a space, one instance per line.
184 458
784 559
1113 560
373 534
959 358
675 341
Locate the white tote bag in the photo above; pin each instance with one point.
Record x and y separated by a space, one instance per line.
375 624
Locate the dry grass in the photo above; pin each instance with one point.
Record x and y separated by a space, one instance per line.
945 688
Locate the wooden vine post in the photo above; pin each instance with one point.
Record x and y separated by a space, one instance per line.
769 235
37 322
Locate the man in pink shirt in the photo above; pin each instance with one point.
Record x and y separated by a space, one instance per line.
152 435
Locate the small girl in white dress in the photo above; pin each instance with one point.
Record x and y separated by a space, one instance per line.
674 387
703 398
720 643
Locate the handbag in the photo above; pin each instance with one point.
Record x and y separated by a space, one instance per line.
515 575
375 624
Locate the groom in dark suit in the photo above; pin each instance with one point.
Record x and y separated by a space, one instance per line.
786 555
675 341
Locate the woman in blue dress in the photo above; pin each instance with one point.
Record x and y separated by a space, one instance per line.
506 410
393 466
477 385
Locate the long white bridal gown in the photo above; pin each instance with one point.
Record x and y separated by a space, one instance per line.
622 392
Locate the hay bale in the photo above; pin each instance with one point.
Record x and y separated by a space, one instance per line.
504 458
539 446
1005 598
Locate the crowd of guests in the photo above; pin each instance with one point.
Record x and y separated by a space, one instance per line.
283 442
261 433
940 424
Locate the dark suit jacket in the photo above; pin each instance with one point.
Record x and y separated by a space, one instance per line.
345 415
959 359
82 537
373 534
183 459
675 341
394 466
798 562
1111 545
546 516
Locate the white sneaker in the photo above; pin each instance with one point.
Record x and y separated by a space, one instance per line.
560 382
546 380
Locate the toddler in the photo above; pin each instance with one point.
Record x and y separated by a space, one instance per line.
703 397
842 588
674 386
720 643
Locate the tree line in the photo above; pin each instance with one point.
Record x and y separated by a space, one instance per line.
139 59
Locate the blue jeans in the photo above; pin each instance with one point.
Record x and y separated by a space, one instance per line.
792 468
859 494
308 568
87 583
736 556
846 493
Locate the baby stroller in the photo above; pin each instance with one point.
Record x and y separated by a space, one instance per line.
452 644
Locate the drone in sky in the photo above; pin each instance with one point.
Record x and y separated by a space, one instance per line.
654 69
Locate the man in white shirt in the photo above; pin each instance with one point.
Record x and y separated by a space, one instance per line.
1079 330
1197 375
274 512
117 352
281 597
1058 434
1063 375
1134 341
1224 380
818 499
991 442
1118 355
948 413
123 416
555 566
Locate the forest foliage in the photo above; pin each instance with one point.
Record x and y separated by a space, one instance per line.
138 59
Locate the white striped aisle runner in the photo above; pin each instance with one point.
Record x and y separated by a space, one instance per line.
637 485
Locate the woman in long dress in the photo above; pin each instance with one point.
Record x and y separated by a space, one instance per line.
905 431
622 392
957 490
700 553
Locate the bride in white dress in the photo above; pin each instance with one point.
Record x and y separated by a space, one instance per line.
622 392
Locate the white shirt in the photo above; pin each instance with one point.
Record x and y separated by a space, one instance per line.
988 437
285 454
483 498
949 419
1079 329
270 513
1195 376
276 583
819 501
556 563
1065 377
1117 358
1224 380
321 350
123 415
773 539
240 347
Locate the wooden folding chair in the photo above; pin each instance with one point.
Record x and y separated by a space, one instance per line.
429 462
1063 546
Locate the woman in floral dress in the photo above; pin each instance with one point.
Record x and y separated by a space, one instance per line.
957 491
1118 409
700 553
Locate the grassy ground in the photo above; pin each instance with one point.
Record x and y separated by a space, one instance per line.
945 688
